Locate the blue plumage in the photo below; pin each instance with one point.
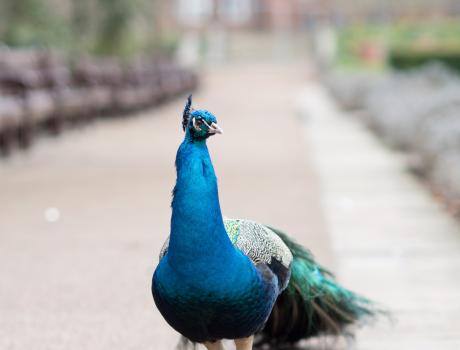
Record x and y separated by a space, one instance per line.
219 280
203 285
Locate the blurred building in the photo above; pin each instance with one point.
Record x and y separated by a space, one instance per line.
268 14
375 10
244 14
248 28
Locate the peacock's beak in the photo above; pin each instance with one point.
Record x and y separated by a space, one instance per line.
215 129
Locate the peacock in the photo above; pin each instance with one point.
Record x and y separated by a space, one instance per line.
220 278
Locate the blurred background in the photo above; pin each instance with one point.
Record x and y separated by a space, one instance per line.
342 127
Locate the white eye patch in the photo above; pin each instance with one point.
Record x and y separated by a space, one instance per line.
195 125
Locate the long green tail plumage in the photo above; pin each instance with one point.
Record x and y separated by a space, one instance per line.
313 303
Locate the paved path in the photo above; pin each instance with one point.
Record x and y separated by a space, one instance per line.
391 240
83 282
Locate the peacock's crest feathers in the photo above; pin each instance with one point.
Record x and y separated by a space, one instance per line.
187 111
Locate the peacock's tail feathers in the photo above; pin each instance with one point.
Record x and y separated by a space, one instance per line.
313 303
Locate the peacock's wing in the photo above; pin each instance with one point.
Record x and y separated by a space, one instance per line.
259 243
262 245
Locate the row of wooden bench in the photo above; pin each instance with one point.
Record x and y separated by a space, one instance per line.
46 93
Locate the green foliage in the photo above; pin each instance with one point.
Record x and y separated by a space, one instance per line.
113 35
402 43
123 28
354 41
403 59
31 23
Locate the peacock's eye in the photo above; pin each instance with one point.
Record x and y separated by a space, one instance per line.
199 121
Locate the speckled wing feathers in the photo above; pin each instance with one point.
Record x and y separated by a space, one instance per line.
257 241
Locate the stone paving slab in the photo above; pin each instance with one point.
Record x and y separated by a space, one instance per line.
392 241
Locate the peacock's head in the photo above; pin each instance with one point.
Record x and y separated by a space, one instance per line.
199 124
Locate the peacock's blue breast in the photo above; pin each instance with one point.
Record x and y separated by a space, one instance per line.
234 308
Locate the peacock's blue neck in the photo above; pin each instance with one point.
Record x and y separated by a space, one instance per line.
198 235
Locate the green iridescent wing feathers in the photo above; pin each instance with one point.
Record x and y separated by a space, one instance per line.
313 303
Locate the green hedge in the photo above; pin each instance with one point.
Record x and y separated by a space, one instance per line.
401 59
